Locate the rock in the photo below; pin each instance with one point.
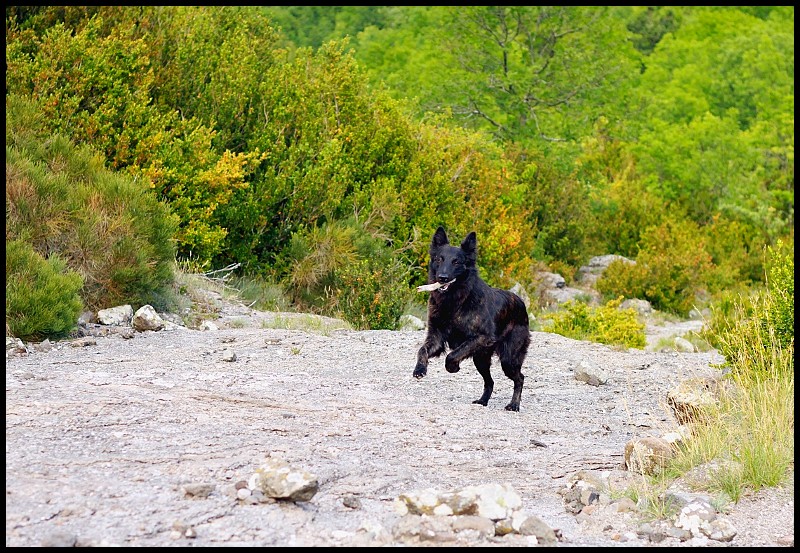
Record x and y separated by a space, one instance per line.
588 274
146 318
351 502
689 398
229 356
534 526
503 527
642 307
87 317
276 478
43 347
495 501
720 529
482 525
83 342
787 540
424 528
520 291
15 346
695 517
410 322
647 455
550 280
116 316
591 374
563 295
683 345
678 436
198 490
423 502
208 325
60 538
625 504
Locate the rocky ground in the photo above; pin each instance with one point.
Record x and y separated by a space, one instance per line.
144 439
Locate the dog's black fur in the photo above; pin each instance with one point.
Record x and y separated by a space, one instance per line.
472 318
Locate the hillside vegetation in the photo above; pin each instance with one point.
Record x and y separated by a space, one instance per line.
230 135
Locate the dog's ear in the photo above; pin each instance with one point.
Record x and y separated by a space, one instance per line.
470 245
439 239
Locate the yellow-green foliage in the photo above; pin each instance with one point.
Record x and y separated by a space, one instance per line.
780 283
106 227
41 294
670 268
754 332
753 424
607 324
251 144
373 295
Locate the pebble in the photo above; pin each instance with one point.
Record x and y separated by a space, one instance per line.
243 493
60 539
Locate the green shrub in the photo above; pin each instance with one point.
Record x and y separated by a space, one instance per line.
671 267
41 294
780 283
755 333
373 296
607 324
108 228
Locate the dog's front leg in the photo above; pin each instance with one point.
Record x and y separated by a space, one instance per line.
433 346
452 362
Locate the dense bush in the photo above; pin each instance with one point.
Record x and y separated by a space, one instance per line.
42 297
607 324
373 295
108 228
670 269
780 283
754 332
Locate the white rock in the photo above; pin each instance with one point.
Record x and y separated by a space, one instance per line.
116 316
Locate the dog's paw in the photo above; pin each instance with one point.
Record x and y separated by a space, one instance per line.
420 371
451 366
481 402
512 407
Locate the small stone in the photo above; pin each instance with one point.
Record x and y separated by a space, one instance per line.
198 490
351 502
534 526
720 529
787 540
241 484
625 504
243 493
482 525
190 532
229 356
60 539
592 375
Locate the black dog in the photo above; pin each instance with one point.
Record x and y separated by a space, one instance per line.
472 318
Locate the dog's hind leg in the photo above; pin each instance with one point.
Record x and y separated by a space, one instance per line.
512 351
514 372
483 360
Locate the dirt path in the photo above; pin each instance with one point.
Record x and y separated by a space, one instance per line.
101 439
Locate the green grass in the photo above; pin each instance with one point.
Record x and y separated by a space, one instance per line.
753 422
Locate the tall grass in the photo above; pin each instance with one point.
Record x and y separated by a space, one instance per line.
753 423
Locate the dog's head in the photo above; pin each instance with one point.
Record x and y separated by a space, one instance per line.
449 263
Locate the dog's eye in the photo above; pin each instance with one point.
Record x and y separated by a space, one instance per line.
456 262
